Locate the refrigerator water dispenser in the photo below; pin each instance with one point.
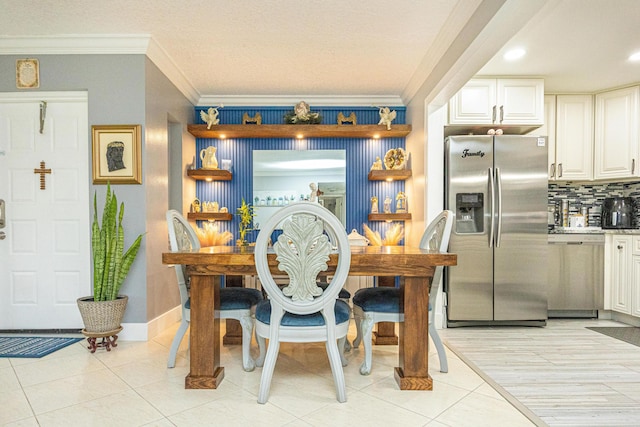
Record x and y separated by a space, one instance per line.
469 213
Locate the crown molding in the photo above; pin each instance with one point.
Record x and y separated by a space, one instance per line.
289 100
75 44
144 44
170 69
103 44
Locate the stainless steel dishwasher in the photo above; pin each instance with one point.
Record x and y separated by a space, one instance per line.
576 275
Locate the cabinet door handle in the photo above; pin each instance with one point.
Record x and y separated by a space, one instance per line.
552 170
559 170
620 247
501 113
493 115
633 165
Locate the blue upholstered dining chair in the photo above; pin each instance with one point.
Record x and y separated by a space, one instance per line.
382 304
235 303
302 311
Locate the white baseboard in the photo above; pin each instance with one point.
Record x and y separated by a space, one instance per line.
625 318
151 329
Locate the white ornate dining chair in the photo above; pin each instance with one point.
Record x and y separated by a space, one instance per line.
302 311
235 303
382 304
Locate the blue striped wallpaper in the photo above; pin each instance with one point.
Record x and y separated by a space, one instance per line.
360 154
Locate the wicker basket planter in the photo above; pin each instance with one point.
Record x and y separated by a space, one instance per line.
102 316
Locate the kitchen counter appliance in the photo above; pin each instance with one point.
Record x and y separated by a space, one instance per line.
576 275
617 212
497 188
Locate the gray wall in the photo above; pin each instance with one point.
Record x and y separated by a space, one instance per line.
121 89
166 108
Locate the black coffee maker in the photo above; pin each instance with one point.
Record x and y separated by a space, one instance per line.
617 212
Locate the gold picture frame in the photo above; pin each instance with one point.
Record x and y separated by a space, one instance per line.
116 152
27 74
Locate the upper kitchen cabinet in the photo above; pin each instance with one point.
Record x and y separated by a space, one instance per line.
616 134
569 127
499 102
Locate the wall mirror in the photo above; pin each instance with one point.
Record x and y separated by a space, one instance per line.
281 177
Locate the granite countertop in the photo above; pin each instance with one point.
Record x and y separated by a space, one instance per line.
576 230
592 230
621 231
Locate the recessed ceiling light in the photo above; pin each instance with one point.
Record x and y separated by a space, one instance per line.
635 57
514 54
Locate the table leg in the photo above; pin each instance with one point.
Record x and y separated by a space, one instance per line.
413 372
204 359
386 333
233 330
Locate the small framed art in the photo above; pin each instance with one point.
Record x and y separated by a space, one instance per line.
116 154
27 74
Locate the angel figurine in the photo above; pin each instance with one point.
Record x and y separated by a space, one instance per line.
302 114
387 204
377 165
386 117
211 116
374 205
313 196
401 202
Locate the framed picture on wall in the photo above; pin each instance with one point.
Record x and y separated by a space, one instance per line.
27 74
116 154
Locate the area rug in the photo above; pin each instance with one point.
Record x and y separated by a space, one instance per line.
32 347
623 333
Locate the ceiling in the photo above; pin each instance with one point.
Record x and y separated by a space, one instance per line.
577 46
214 49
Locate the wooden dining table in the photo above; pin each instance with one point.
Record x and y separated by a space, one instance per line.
207 266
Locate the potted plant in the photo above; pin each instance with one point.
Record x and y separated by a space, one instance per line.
246 214
103 311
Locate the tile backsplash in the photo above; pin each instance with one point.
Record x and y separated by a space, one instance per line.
592 196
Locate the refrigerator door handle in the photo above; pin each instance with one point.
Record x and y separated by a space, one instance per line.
493 208
499 193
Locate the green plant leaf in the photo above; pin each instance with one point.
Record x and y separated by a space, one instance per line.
110 266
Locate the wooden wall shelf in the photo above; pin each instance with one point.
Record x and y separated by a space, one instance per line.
389 175
209 215
209 174
292 131
390 217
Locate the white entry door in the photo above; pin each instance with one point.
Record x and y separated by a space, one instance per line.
45 248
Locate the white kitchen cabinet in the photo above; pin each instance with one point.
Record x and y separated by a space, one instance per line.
623 273
499 101
548 129
635 280
616 134
635 287
573 138
568 125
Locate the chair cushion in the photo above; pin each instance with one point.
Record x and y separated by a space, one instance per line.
263 314
379 299
236 298
344 294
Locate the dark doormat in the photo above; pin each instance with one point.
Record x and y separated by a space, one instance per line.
623 333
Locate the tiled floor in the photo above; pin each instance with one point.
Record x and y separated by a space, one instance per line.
565 373
131 386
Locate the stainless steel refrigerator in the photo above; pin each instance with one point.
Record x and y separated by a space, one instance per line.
497 188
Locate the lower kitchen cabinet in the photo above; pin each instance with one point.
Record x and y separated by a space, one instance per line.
622 271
